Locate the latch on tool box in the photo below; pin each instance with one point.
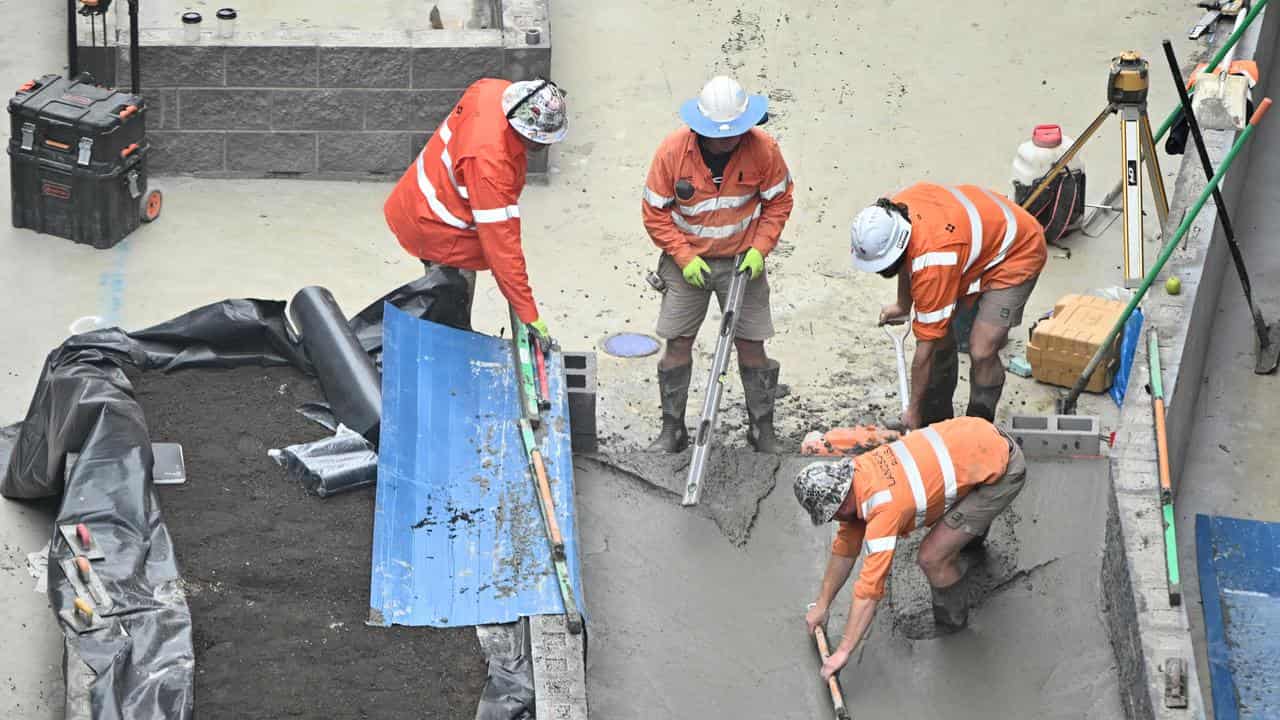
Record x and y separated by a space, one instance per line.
86 151
134 191
28 136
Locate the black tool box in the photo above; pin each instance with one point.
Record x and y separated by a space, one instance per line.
78 157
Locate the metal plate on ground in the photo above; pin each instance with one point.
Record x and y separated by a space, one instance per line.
74 621
69 534
630 345
168 466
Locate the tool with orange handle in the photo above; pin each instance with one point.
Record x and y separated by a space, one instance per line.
82 534
559 559
833 683
1172 573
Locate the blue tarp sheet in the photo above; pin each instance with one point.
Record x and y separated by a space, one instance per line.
458 537
1239 564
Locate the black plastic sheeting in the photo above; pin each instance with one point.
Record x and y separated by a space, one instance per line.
141 666
331 465
349 378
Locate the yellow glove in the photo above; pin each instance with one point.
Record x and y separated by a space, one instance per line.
753 261
694 272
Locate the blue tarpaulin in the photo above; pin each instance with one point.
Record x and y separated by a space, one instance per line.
458 537
1128 347
1239 564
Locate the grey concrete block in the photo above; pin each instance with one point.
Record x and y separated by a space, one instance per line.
174 153
365 67
272 153
526 63
559 669
162 109
177 66
380 153
455 67
1047 436
224 109
317 109
273 66
408 109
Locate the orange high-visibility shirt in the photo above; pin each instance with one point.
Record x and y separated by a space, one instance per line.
964 240
458 204
911 484
748 210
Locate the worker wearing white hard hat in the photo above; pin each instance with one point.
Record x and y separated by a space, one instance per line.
457 206
960 253
717 189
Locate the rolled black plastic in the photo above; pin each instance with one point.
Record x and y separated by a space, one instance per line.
346 372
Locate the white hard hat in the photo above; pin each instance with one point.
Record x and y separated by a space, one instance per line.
878 238
536 109
723 109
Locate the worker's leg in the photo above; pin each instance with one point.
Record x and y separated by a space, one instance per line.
683 309
998 312
759 373
455 292
970 518
944 373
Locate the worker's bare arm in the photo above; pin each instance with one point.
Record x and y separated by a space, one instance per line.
860 615
921 364
839 568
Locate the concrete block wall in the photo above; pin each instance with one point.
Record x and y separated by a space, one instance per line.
1146 631
305 111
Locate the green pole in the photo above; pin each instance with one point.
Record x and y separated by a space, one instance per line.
1217 58
1069 402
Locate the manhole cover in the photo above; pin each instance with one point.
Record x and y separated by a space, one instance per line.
630 345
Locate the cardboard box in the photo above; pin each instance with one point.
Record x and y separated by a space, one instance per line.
1062 345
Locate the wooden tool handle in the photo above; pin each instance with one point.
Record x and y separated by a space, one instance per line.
544 491
824 651
1262 110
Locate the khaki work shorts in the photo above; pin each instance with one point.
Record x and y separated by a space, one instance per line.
1003 307
975 511
684 306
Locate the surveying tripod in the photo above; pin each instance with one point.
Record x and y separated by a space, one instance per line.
1127 95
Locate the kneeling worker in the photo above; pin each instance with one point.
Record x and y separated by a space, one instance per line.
456 208
963 472
955 250
716 189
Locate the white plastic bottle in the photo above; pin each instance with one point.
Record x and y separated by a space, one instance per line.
1036 156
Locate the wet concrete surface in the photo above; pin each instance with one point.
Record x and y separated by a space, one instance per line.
686 625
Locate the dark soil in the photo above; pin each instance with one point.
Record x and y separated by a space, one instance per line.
278 580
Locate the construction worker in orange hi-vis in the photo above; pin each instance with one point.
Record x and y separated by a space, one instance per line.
457 207
717 189
962 472
962 254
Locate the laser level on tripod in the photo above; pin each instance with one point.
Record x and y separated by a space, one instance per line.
1127 86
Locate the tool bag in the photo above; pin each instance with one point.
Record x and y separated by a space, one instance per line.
1060 208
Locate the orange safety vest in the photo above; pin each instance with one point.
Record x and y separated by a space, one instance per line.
457 205
964 240
911 484
748 210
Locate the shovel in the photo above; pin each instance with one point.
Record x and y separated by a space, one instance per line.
899 340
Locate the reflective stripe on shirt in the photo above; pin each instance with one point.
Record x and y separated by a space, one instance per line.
975 227
776 190
659 201
875 501
881 544
497 215
1010 230
934 259
715 232
913 479
944 461
724 202
429 192
925 318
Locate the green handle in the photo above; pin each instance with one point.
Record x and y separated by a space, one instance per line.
1069 403
1232 39
1153 358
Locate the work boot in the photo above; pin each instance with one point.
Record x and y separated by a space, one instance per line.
760 386
944 374
673 389
983 400
950 607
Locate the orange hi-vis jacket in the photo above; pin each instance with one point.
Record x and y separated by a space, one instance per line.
748 210
457 205
964 240
911 484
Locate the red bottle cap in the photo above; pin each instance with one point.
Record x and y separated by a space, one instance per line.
1047 136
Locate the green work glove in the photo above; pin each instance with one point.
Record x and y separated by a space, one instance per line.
540 326
693 272
754 262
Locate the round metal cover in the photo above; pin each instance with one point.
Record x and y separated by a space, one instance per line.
630 345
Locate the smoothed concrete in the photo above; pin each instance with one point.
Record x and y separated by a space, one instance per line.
684 625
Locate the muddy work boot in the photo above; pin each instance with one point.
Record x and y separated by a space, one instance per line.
950 608
673 388
983 400
760 386
944 374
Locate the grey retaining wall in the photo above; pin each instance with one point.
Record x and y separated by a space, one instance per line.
1146 632
270 111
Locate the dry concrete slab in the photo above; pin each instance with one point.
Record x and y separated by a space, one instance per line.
684 624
